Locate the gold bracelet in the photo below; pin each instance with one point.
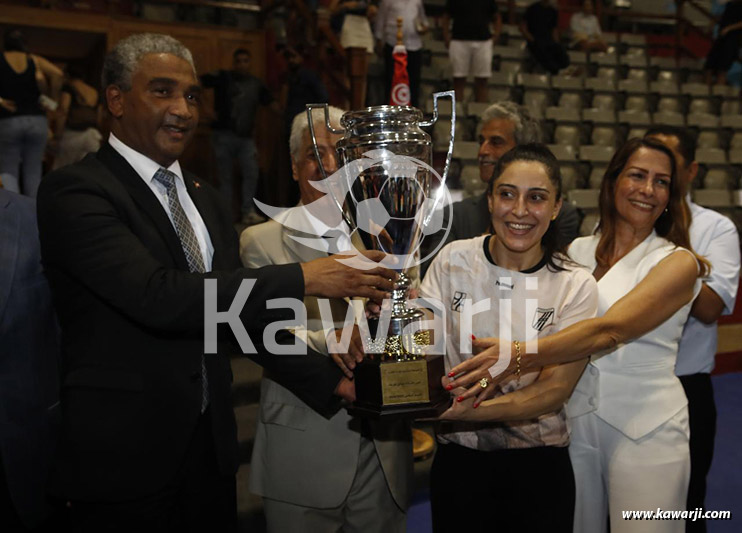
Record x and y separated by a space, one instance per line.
517 359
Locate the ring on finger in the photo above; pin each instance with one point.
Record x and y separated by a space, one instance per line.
483 383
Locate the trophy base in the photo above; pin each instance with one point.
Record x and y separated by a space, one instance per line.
400 389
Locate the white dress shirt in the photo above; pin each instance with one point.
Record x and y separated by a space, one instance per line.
713 236
302 218
146 168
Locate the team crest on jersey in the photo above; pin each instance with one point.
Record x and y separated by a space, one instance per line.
543 318
457 301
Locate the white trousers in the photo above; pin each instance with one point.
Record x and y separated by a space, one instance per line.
614 473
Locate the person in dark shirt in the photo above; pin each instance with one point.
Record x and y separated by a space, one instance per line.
237 95
539 27
470 43
726 47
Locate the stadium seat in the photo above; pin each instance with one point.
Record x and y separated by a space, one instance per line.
700 105
567 82
599 116
467 151
730 107
562 152
703 120
695 89
570 177
604 136
669 103
562 114
567 134
731 121
584 198
633 86
669 118
636 103
636 132
596 154
596 176
589 223
717 178
664 87
536 101
639 74
668 75
711 156
605 102
713 198
708 139
634 118
534 81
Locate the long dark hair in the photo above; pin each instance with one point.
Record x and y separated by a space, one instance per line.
538 153
672 224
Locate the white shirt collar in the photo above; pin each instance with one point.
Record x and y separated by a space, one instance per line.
142 164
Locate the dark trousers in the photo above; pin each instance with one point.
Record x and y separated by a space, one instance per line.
550 55
724 52
414 67
200 499
702 421
9 519
516 490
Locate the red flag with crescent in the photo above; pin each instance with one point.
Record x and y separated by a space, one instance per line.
401 81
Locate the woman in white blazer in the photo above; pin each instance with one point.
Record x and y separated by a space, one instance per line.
628 413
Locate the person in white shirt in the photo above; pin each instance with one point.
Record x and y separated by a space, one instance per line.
519 438
629 413
713 236
585 28
318 473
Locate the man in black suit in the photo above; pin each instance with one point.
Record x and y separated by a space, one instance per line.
29 371
148 434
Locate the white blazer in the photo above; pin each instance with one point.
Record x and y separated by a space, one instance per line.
632 387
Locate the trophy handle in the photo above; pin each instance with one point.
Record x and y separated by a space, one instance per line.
449 155
310 123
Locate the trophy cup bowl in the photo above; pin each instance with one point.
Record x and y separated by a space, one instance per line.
386 159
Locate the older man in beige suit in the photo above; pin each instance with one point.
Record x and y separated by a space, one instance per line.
316 474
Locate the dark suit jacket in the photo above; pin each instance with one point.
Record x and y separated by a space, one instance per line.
132 319
471 217
29 353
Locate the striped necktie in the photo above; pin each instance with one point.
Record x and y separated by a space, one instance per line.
191 249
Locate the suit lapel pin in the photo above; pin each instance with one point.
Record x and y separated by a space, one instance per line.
196 184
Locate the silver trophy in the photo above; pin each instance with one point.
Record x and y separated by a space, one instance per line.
393 202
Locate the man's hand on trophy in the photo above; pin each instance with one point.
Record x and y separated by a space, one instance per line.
346 389
373 309
346 353
331 278
482 372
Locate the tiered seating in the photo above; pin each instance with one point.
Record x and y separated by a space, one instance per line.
618 95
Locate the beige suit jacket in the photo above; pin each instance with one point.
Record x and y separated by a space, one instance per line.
299 456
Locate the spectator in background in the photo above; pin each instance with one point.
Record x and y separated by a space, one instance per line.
304 87
414 23
713 236
726 47
24 77
76 130
237 95
539 27
586 33
470 43
355 29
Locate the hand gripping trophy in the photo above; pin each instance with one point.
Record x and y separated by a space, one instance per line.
392 196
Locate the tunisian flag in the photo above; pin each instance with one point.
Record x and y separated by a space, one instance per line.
401 80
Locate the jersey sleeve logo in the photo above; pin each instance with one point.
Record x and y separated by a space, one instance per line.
457 301
543 318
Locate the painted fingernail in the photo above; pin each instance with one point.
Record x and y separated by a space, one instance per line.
449 387
451 374
473 338
460 399
476 405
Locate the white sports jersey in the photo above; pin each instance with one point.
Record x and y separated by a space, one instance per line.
540 302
